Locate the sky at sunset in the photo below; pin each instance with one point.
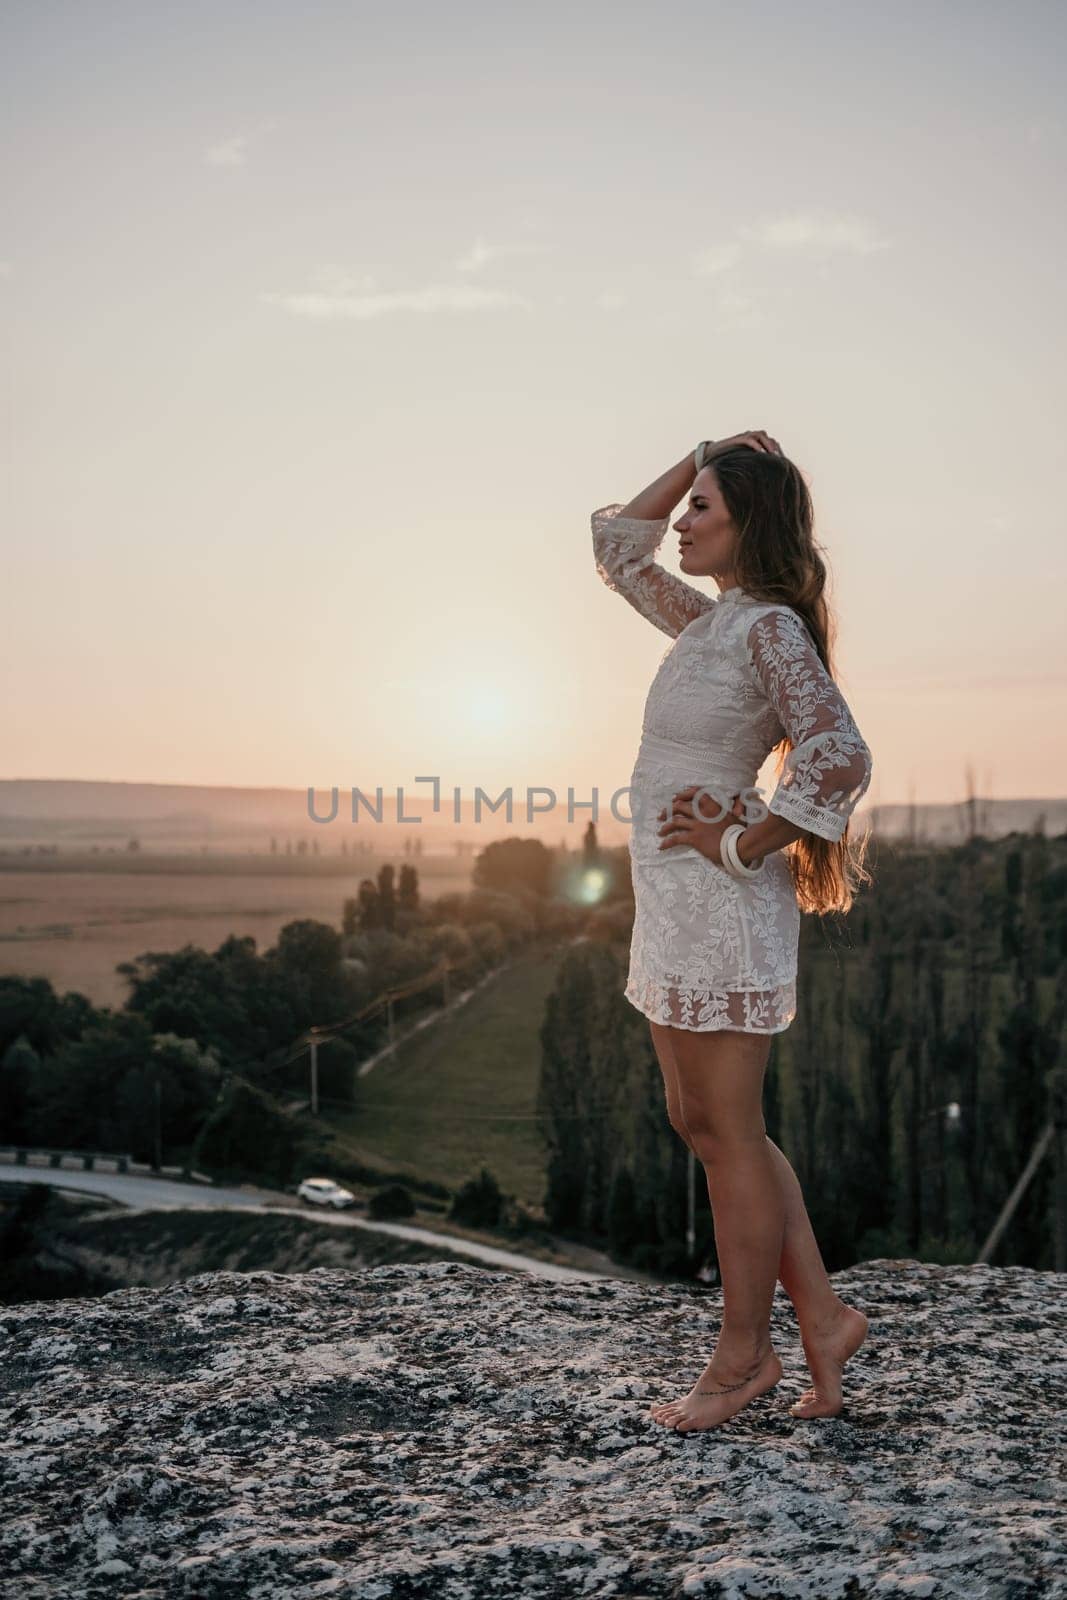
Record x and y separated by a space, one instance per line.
327 327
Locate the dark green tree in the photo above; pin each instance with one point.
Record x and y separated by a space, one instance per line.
407 898
478 1201
387 895
246 1138
510 864
623 1222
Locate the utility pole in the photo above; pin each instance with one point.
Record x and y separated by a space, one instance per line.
314 1074
1057 1083
1008 1209
1053 1137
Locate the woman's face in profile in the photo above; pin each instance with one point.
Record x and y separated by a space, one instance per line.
707 538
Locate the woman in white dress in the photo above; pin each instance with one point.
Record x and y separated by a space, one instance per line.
713 956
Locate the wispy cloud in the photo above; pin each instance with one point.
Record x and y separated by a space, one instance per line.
820 237
817 235
482 254
717 258
228 152
1042 132
735 309
813 235
730 305
334 280
233 151
611 300
325 304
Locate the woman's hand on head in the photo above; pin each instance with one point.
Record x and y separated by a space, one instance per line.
697 831
756 439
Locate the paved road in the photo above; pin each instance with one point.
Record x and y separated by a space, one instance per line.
166 1194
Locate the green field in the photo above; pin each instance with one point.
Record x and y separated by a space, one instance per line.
462 1093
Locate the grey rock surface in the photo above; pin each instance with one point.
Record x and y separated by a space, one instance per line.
448 1431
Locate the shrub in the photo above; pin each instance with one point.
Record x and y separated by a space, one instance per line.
392 1201
478 1202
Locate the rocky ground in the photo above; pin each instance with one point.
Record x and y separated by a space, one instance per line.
442 1430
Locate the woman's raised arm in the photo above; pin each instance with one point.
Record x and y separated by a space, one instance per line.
625 542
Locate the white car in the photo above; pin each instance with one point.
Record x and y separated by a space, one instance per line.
324 1192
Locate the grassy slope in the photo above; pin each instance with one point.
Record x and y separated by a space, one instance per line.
462 1093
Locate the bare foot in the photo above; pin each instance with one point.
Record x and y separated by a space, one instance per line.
718 1394
827 1349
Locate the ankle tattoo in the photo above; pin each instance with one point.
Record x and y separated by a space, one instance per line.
726 1387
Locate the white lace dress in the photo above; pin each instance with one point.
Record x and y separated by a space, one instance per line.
709 950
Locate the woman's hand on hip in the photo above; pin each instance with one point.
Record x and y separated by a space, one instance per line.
698 830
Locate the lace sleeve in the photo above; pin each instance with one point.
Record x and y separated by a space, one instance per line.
828 770
625 549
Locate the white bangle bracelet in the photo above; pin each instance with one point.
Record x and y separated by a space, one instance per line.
730 858
698 453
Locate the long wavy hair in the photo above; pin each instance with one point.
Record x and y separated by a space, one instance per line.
778 558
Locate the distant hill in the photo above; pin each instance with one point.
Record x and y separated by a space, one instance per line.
951 824
75 814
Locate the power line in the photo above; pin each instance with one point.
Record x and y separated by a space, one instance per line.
322 1034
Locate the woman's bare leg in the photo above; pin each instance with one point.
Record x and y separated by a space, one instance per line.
830 1330
720 1082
